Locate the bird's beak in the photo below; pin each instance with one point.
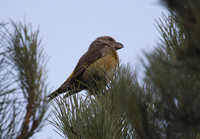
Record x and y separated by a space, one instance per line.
119 46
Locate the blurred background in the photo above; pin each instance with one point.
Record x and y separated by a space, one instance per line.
68 27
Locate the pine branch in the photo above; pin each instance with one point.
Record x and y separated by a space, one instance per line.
165 105
25 61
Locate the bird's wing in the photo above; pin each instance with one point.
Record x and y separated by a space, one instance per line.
84 62
87 59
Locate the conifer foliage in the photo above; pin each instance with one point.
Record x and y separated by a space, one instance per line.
23 84
167 102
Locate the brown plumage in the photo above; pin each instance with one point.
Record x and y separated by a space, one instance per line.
101 56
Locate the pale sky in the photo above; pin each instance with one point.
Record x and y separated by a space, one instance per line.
69 26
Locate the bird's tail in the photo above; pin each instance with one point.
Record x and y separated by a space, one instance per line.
69 92
53 95
63 88
68 88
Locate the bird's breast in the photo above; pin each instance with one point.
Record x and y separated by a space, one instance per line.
107 63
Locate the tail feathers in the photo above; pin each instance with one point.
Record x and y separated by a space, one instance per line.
63 88
56 93
67 88
53 95
68 93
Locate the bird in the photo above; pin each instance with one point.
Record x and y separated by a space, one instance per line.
101 57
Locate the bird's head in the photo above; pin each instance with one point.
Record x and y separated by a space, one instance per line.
106 40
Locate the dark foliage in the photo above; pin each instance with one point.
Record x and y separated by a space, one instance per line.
167 102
